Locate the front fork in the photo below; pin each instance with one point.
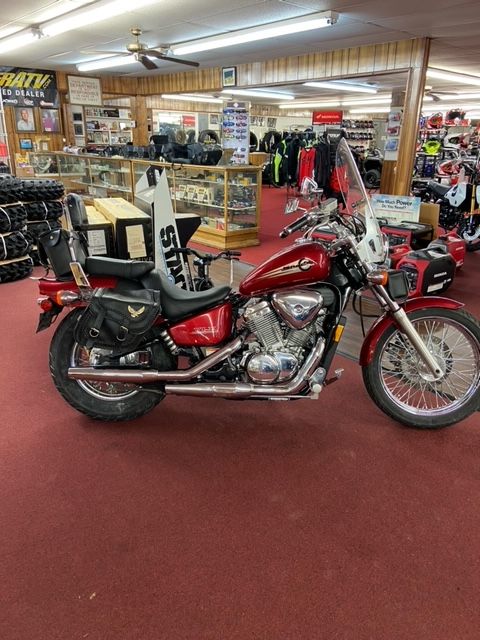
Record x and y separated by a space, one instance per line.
402 321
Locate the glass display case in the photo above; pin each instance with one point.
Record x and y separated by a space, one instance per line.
225 198
88 175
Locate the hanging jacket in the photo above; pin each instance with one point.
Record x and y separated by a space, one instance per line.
306 164
280 160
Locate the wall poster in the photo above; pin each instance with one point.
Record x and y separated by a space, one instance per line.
28 87
83 90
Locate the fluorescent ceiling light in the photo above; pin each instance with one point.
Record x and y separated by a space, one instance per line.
446 107
371 110
453 77
302 104
18 41
8 31
74 20
459 96
372 101
106 63
57 9
264 32
80 19
190 98
342 86
259 93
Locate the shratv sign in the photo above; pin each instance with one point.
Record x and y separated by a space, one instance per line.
396 208
28 87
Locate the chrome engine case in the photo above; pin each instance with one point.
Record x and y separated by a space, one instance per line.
282 330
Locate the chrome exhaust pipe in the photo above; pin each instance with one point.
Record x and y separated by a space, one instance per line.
136 376
253 391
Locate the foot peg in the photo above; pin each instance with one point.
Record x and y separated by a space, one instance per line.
316 382
337 376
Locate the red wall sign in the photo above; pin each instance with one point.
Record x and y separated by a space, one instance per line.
327 117
188 121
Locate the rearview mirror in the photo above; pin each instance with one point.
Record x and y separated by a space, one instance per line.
309 188
292 205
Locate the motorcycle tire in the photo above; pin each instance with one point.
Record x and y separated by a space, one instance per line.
43 210
16 270
371 179
12 218
10 190
472 240
99 401
14 245
395 369
41 190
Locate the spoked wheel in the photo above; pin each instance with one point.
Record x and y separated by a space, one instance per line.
470 232
403 387
106 401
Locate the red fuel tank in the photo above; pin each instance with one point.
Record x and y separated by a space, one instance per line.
301 264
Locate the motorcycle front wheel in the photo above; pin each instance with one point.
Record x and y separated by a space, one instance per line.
470 232
106 401
402 386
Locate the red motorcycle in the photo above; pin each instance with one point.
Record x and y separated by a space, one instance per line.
131 336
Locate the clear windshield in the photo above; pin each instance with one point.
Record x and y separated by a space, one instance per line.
371 246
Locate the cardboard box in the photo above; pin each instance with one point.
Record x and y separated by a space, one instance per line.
429 214
132 227
99 234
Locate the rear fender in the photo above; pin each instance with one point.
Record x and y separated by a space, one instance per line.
50 286
382 324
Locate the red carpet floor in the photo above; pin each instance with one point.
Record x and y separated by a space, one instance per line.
214 520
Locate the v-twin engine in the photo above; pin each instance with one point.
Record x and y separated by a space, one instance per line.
283 331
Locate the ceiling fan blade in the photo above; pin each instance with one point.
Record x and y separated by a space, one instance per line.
162 56
147 63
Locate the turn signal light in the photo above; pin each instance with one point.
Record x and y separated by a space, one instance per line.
63 298
378 276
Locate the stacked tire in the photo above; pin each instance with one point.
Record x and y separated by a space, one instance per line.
15 243
43 207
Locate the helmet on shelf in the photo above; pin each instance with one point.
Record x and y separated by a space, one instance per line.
435 121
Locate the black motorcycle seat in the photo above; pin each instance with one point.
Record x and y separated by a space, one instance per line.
128 269
439 189
179 303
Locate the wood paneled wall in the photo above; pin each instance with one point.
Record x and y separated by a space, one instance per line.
367 59
54 140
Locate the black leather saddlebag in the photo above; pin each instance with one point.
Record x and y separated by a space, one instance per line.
54 252
117 321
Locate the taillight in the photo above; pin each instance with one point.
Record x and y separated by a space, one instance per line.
45 304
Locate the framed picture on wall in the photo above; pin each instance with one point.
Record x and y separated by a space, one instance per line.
25 119
26 144
229 76
50 121
78 129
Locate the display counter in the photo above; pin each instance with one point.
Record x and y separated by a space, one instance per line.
226 199
88 175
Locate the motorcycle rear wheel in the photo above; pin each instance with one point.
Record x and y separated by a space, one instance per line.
402 387
109 402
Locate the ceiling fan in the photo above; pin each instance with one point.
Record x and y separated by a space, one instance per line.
143 53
